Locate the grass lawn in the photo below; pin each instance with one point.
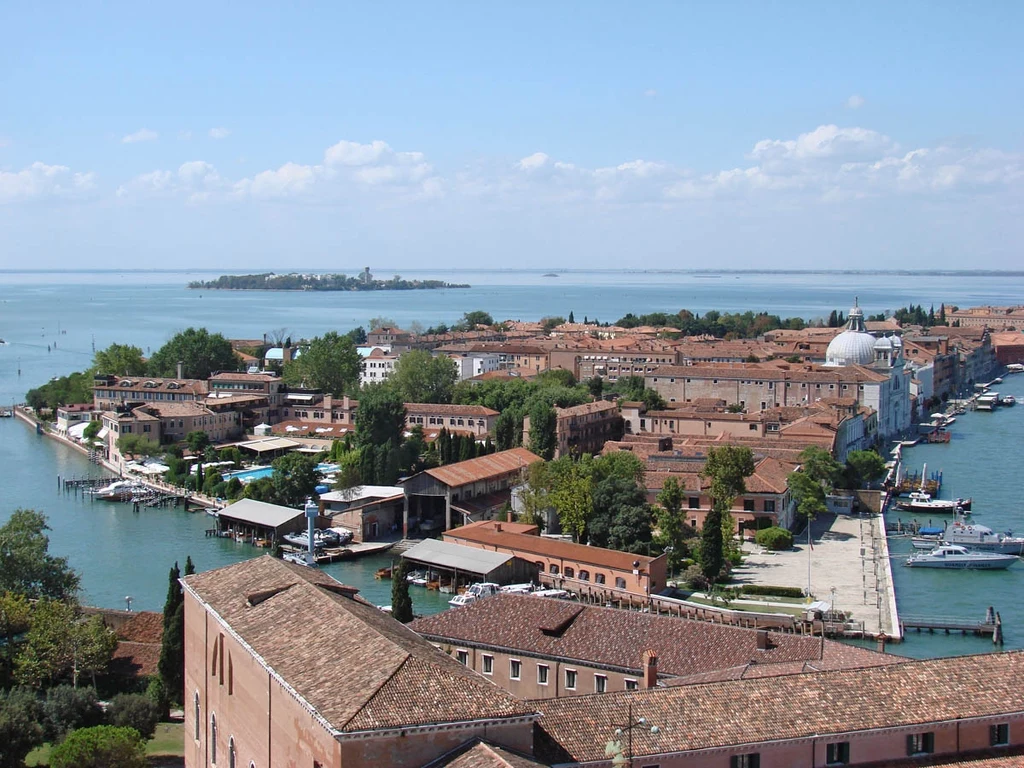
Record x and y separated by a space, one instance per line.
168 741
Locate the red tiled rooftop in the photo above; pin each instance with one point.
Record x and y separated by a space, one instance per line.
483 467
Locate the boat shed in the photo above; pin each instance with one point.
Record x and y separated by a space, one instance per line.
470 562
253 519
481 485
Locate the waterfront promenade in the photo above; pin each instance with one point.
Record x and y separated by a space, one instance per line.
849 555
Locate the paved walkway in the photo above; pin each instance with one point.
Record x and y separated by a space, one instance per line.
848 568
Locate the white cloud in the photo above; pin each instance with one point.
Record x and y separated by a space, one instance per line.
194 180
533 162
219 133
143 134
41 181
827 165
855 102
650 93
184 135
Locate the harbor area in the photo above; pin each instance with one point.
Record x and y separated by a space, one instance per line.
849 569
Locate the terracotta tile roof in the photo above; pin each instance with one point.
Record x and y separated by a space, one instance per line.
233 376
483 467
988 758
480 754
381 674
481 533
748 711
451 410
615 638
134 659
143 627
598 406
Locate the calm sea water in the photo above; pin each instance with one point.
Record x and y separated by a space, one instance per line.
120 553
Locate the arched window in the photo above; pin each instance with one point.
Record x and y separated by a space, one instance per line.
569 573
213 738
195 714
231 752
554 569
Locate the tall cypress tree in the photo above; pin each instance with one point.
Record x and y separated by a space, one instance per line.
401 602
171 666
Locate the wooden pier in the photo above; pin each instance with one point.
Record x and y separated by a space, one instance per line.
992 625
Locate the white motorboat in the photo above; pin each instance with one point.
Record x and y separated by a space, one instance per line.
298 558
983 538
919 501
119 490
475 592
956 557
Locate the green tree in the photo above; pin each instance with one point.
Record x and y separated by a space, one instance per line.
727 468
104 746
613 498
419 377
622 464
864 466
570 494
818 464
380 416
197 442
330 363
295 479
401 602
67 708
171 666
672 527
595 386
542 430
119 360
630 530
58 644
808 493
200 352
26 566
471 320
548 324
134 710
21 728
15 618
533 495
92 429
136 445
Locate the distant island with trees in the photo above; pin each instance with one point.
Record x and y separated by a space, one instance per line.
269 281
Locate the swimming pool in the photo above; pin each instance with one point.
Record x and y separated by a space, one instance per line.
255 473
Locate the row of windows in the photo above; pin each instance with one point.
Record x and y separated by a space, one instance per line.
451 421
515 672
838 753
232 752
582 575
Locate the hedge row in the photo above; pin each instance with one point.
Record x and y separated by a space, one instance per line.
767 589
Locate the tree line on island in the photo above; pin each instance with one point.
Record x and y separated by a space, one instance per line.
56 662
268 281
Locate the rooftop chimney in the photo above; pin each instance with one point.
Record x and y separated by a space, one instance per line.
650 669
763 643
882 638
497 527
181 365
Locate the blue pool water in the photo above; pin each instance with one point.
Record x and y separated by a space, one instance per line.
255 473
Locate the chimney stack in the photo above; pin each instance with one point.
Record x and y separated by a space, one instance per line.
497 527
882 638
763 643
181 366
650 669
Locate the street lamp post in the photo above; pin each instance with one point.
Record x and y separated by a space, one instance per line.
614 748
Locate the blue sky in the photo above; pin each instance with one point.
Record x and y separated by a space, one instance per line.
247 135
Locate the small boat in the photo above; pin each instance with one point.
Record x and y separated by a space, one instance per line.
983 538
1009 400
919 501
6 414
382 573
954 556
464 599
298 558
937 436
119 490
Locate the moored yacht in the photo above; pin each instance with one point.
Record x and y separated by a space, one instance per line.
919 501
957 557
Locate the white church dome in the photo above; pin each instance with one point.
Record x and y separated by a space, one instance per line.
883 343
854 346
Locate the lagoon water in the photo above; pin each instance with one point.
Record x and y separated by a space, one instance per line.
51 323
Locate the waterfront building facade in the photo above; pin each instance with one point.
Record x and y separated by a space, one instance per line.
109 392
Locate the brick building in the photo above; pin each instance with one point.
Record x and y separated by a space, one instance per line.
285 666
540 648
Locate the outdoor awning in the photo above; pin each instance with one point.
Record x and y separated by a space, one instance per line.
270 444
455 557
